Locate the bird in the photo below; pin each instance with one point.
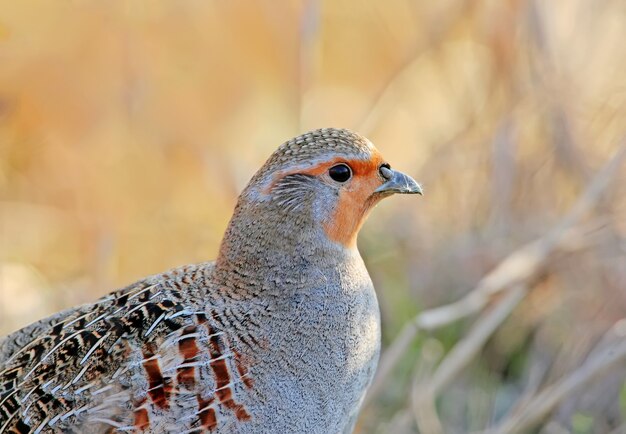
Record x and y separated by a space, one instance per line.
280 334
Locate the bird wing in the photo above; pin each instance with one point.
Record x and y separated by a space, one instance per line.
143 357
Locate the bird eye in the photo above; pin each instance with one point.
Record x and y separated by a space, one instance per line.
340 172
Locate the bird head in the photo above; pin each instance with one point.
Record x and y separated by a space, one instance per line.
316 189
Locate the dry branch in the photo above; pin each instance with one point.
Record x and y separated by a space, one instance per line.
517 268
459 357
422 404
465 350
544 402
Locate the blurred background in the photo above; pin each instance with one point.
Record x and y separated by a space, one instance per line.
127 130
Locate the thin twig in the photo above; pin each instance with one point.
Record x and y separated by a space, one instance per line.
459 357
517 268
545 402
526 261
422 405
521 265
464 351
425 412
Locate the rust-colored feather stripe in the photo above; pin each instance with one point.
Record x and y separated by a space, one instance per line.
80 368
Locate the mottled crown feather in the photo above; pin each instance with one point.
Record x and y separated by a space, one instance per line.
315 145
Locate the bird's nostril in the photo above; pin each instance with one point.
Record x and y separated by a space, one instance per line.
385 171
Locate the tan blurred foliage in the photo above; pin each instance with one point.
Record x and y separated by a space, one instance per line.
127 129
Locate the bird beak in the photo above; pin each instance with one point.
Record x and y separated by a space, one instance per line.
398 182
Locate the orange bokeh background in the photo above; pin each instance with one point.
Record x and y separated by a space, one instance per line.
128 128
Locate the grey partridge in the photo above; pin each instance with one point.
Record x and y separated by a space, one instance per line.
281 334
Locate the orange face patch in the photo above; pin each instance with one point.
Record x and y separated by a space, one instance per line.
355 197
355 201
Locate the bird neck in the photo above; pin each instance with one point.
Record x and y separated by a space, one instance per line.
265 245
